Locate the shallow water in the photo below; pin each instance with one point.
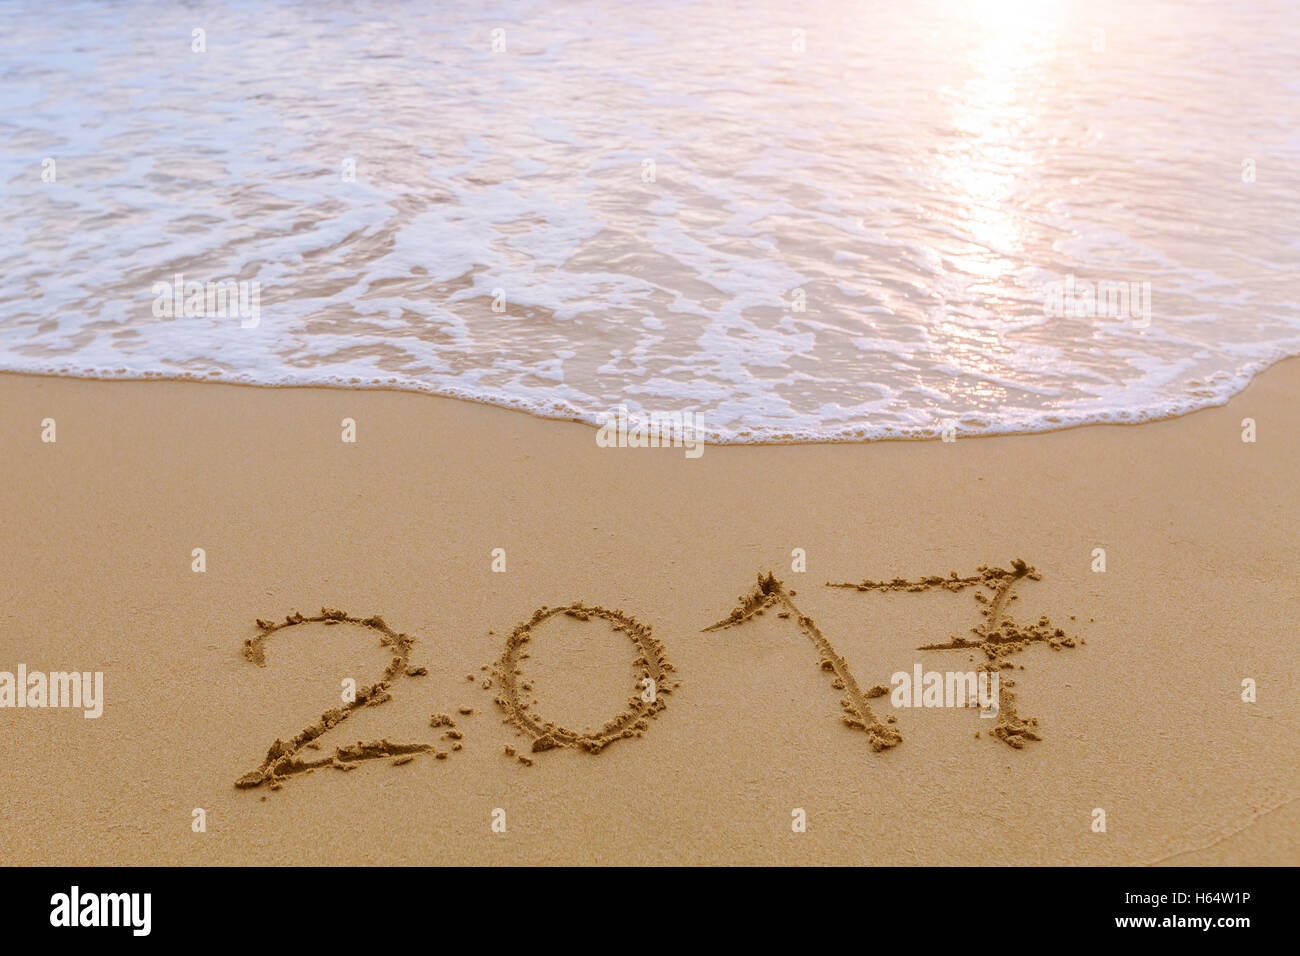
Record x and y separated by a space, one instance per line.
916 178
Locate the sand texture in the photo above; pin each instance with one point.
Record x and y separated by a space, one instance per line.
474 637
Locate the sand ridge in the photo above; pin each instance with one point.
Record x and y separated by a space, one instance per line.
283 760
642 706
998 637
769 592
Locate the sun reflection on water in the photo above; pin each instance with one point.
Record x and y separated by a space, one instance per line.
1003 52
1006 47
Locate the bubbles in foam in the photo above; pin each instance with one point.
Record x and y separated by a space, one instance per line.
664 206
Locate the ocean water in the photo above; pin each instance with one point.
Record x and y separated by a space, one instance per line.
814 221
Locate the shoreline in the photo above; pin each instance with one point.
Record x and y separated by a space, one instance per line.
1141 716
575 419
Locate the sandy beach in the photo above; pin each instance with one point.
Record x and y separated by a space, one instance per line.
1139 713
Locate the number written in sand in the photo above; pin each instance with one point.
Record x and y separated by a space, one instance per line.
771 593
645 703
997 638
284 759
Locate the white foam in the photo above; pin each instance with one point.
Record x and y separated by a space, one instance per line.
831 245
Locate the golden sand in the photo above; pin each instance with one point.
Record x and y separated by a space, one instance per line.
171 523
